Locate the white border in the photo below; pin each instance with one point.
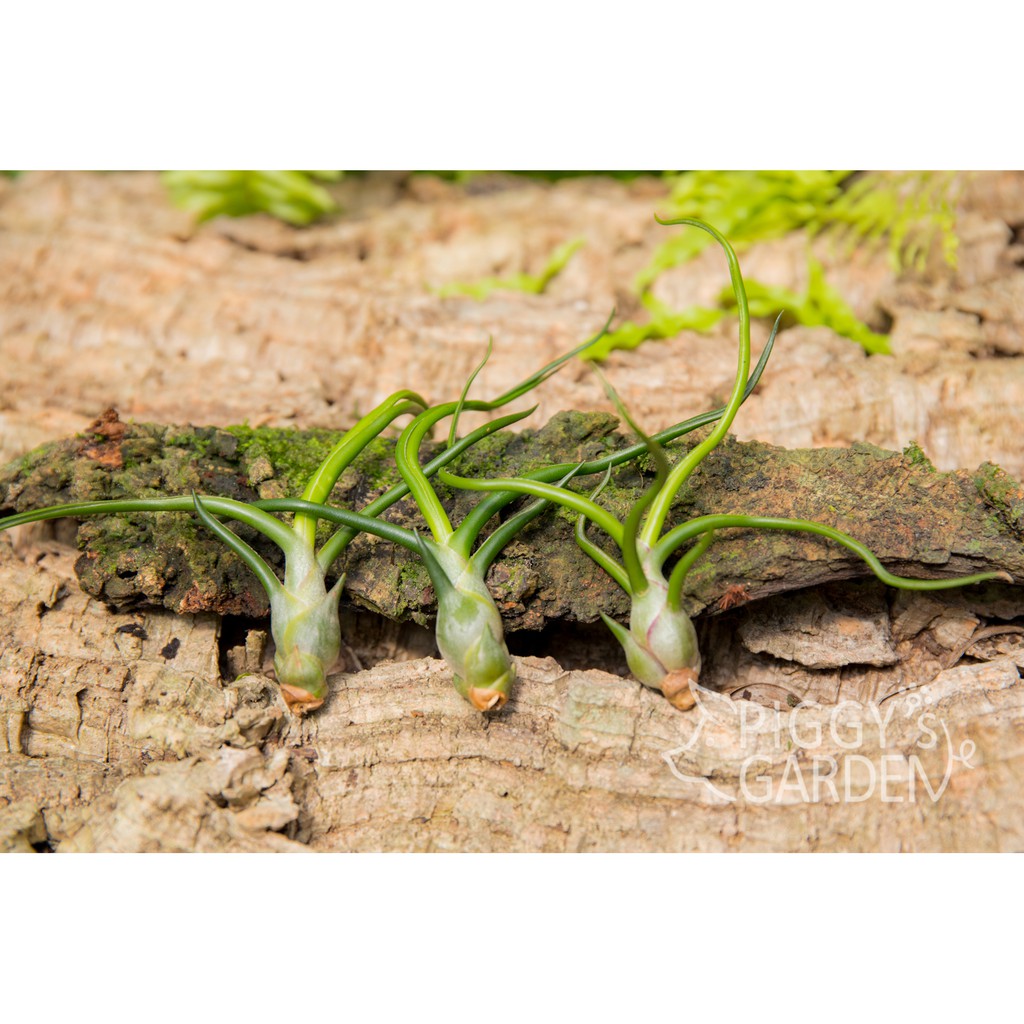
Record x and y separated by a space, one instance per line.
118 84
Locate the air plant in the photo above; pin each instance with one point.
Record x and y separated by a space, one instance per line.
303 611
468 630
661 642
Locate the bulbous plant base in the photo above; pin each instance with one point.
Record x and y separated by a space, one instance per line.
307 632
680 687
469 632
299 701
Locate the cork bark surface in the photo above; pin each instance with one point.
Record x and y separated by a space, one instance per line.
837 714
119 734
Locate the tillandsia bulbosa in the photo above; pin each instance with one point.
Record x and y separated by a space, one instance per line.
661 642
304 612
469 630
304 618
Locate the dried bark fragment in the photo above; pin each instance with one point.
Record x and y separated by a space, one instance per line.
920 522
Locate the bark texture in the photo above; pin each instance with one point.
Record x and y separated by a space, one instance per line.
116 738
112 297
919 521
145 720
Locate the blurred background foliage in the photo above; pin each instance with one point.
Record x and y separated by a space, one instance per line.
909 213
295 197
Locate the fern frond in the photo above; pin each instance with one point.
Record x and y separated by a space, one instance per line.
747 206
291 196
908 210
532 284
820 306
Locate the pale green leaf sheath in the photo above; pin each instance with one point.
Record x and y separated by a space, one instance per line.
469 631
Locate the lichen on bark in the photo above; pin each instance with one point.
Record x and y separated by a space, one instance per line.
919 521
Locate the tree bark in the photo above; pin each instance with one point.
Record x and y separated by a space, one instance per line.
919 522
110 296
109 744
139 719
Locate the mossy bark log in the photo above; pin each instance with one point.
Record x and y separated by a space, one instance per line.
146 730
920 522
